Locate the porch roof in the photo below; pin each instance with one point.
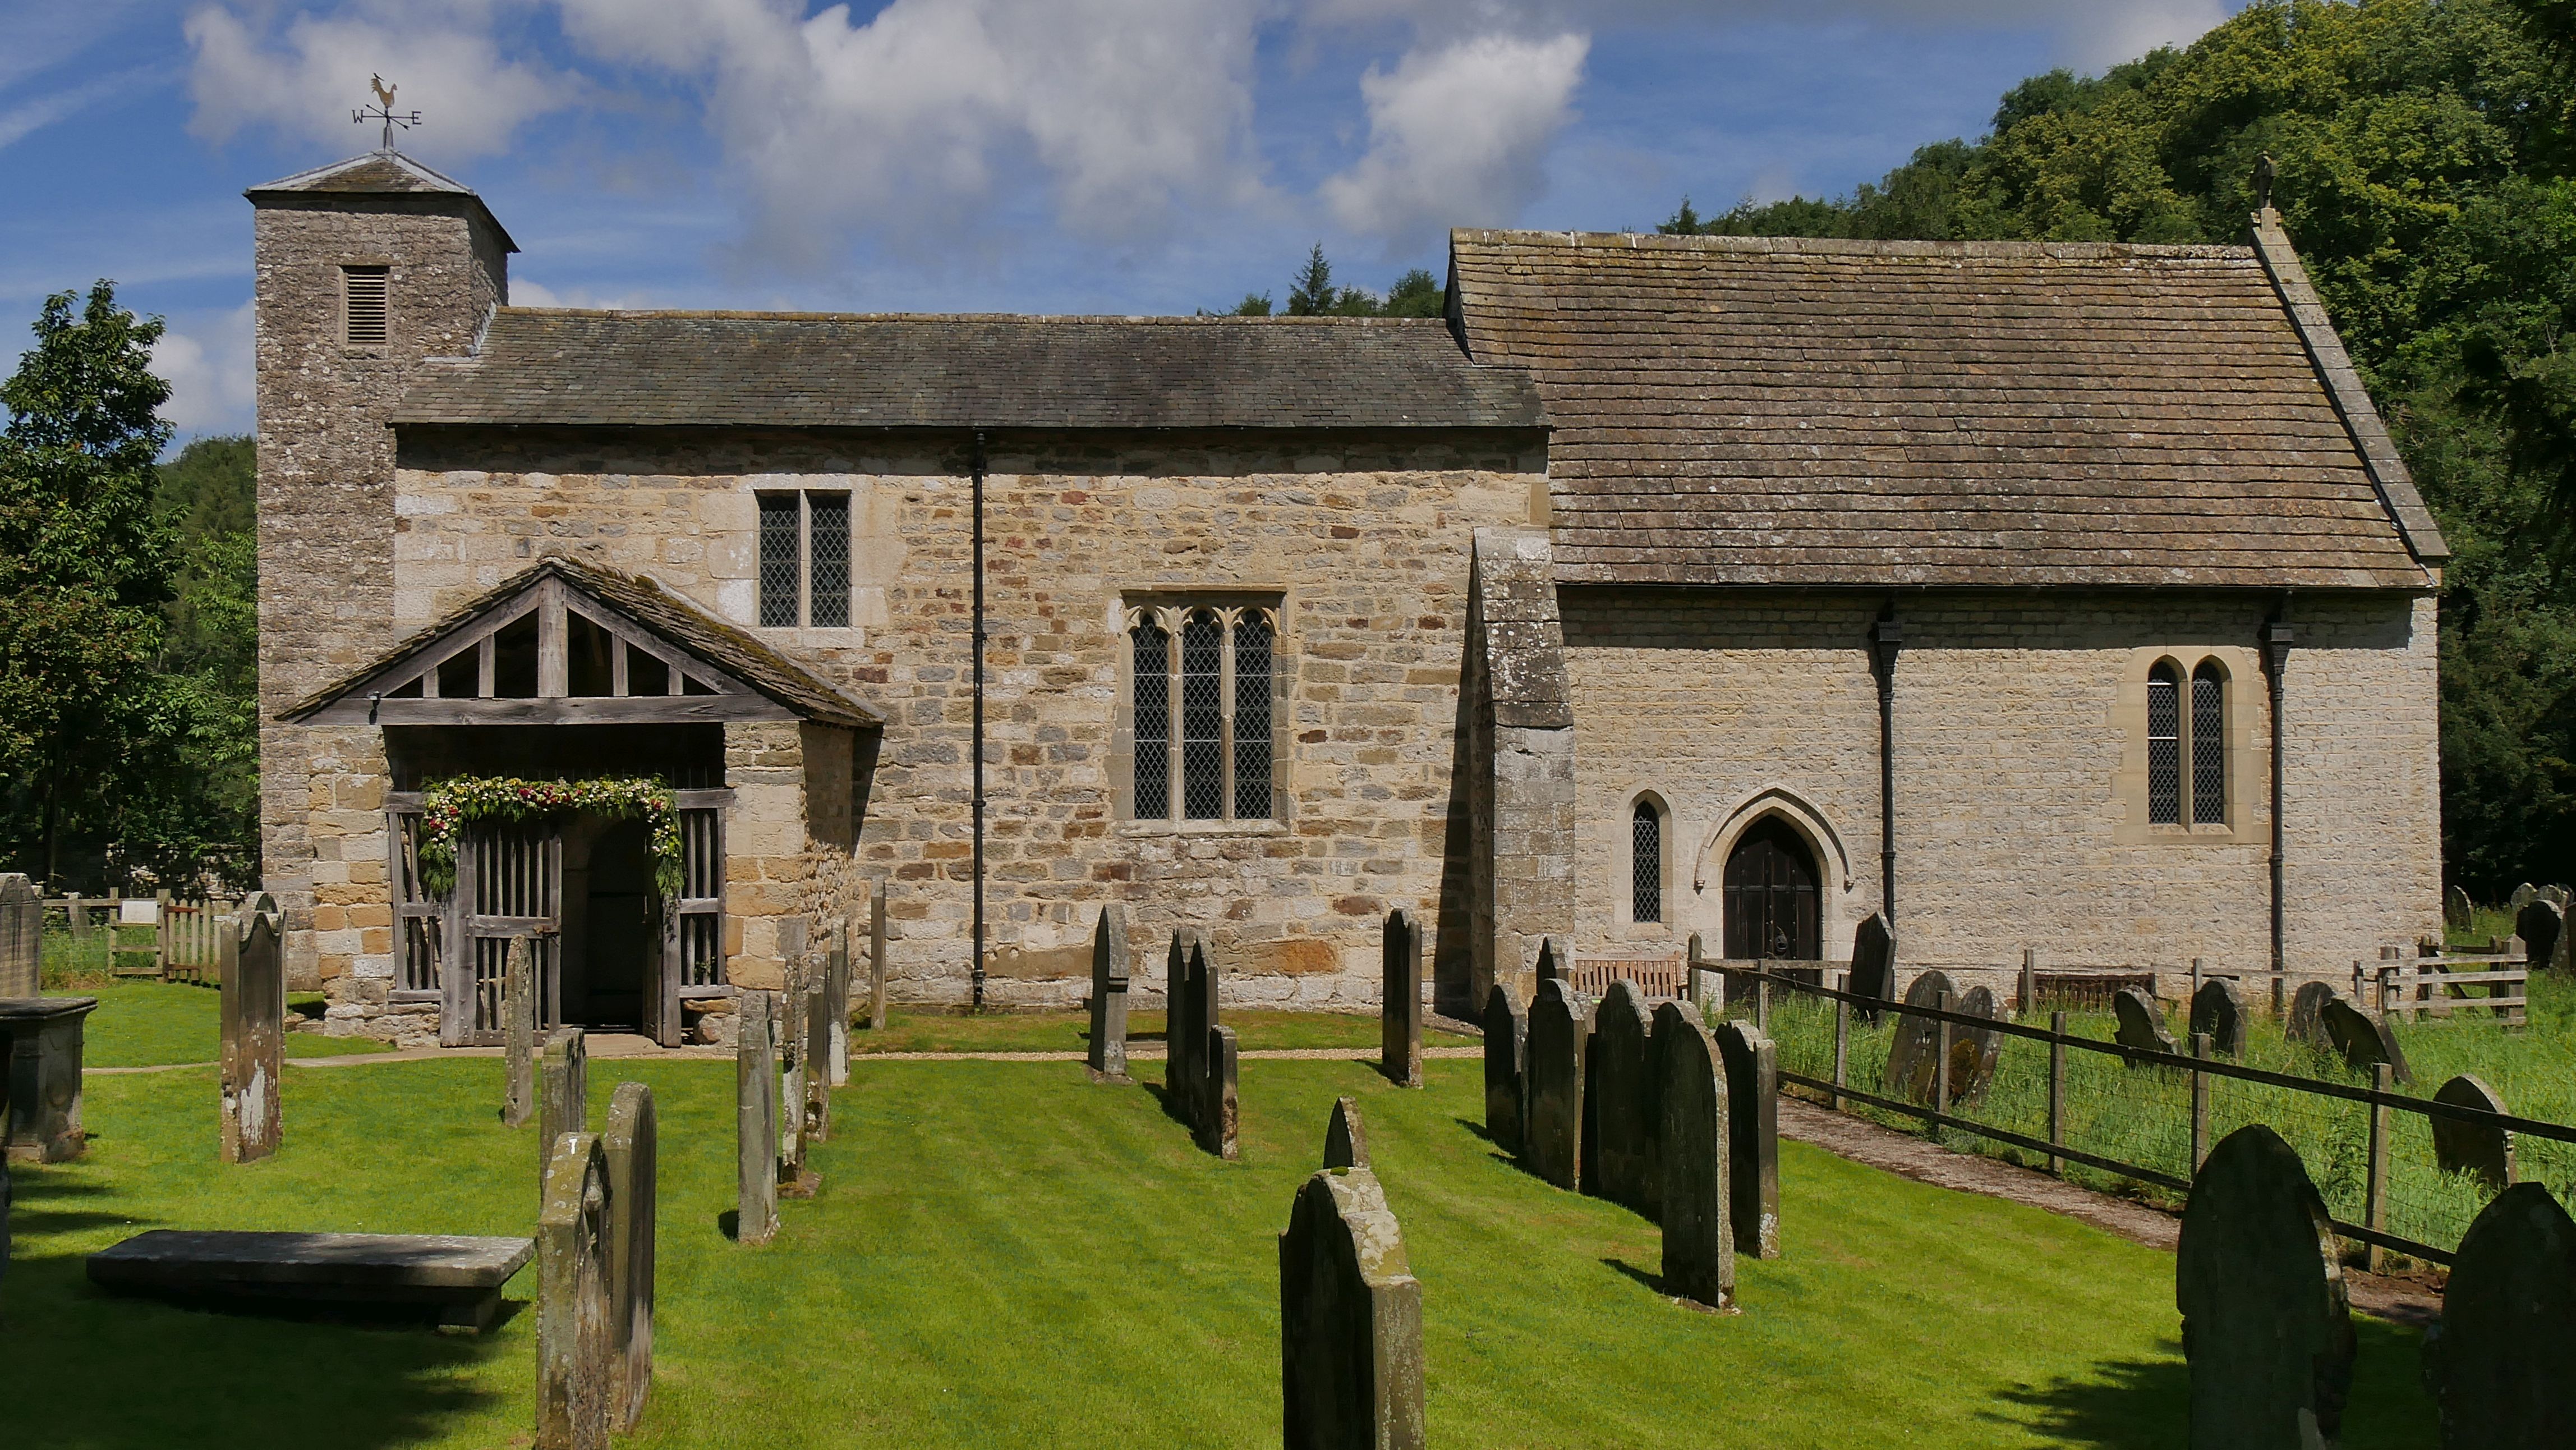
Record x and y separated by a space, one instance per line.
716 671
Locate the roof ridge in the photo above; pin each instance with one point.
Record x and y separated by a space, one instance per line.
1844 246
1058 318
301 180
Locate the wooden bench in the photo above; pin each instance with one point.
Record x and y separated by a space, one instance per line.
453 1279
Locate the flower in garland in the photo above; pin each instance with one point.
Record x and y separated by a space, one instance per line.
450 805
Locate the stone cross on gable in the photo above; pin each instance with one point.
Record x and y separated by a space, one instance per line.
383 110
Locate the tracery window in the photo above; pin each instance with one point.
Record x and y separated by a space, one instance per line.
1646 863
1204 707
2187 744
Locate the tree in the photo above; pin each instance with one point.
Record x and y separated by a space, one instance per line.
1313 294
85 564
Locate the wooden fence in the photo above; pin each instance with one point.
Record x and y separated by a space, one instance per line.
149 936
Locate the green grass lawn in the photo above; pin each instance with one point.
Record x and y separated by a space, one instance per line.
917 1030
2144 1117
1005 1255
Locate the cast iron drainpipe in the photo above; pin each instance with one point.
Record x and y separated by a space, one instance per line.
1886 640
2277 638
978 672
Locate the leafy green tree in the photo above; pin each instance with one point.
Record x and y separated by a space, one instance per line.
1417 294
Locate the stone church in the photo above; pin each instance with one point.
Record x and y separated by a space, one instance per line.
2062 597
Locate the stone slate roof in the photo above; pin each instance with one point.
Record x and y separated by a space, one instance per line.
379 173
1756 411
676 621
568 368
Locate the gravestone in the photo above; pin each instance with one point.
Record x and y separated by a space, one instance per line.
40 1102
453 1279
755 1081
1753 1136
2556 895
2522 896
2502 1363
563 1092
1180 1010
2264 1321
877 964
2142 1023
2483 1151
634 1191
519 1037
22 936
2307 1014
573 1336
1221 1110
836 1020
1698 1206
1400 1004
2364 1038
2456 911
1560 1030
1975 1051
1913 1053
1346 1137
818 1060
1108 1049
1506 1050
790 1029
2218 1009
2538 923
251 971
1619 1100
1873 965
1350 1320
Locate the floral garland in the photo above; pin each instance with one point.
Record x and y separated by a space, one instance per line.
447 806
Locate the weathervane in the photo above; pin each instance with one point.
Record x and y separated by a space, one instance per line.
383 110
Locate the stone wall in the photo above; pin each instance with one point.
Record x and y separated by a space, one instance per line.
2020 759
326 527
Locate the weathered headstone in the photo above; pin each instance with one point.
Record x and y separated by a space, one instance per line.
1400 1006
1619 1101
2142 1023
2483 1151
1108 1048
2456 910
563 1093
2538 923
1698 1206
2264 1320
519 1036
2562 955
2218 1009
836 1006
634 1190
1560 1029
1873 964
791 1039
818 1060
2307 1014
1506 1050
1975 1051
1221 1109
2557 895
40 1102
878 967
2502 1363
1350 1320
22 936
251 968
1753 1135
756 1119
574 1381
2364 1038
1913 1054
1182 1039
1346 1137
2522 896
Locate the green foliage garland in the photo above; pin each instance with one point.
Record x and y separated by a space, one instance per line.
447 806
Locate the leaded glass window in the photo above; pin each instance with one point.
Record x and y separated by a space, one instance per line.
1646 863
805 560
2208 745
1204 707
2164 745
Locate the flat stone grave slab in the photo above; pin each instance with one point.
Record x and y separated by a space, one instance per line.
452 1278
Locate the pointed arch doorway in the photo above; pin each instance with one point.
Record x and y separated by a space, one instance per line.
1773 909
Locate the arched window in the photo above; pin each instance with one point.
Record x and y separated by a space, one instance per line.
2209 745
1205 709
1203 716
1646 863
2164 745
1153 719
1251 716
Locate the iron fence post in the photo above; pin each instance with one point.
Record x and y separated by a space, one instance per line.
1762 997
2200 1048
1940 1068
2374 1215
1842 1039
2056 1089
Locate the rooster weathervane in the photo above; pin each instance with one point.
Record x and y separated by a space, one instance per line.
384 111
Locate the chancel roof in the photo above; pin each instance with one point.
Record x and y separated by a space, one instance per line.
1784 411
551 367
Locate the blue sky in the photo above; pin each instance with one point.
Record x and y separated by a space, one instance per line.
1123 156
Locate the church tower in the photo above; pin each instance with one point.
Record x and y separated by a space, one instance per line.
365 268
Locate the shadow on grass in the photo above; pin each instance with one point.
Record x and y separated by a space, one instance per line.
123 1373
1653 1283
1170 1103
2125 1404
1475 1128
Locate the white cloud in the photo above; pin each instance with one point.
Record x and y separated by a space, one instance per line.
208 364
305 78
1458 135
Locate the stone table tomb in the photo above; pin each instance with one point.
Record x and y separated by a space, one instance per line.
453 1279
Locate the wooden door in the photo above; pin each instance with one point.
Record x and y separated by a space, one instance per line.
509 883
1770 896
693 958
